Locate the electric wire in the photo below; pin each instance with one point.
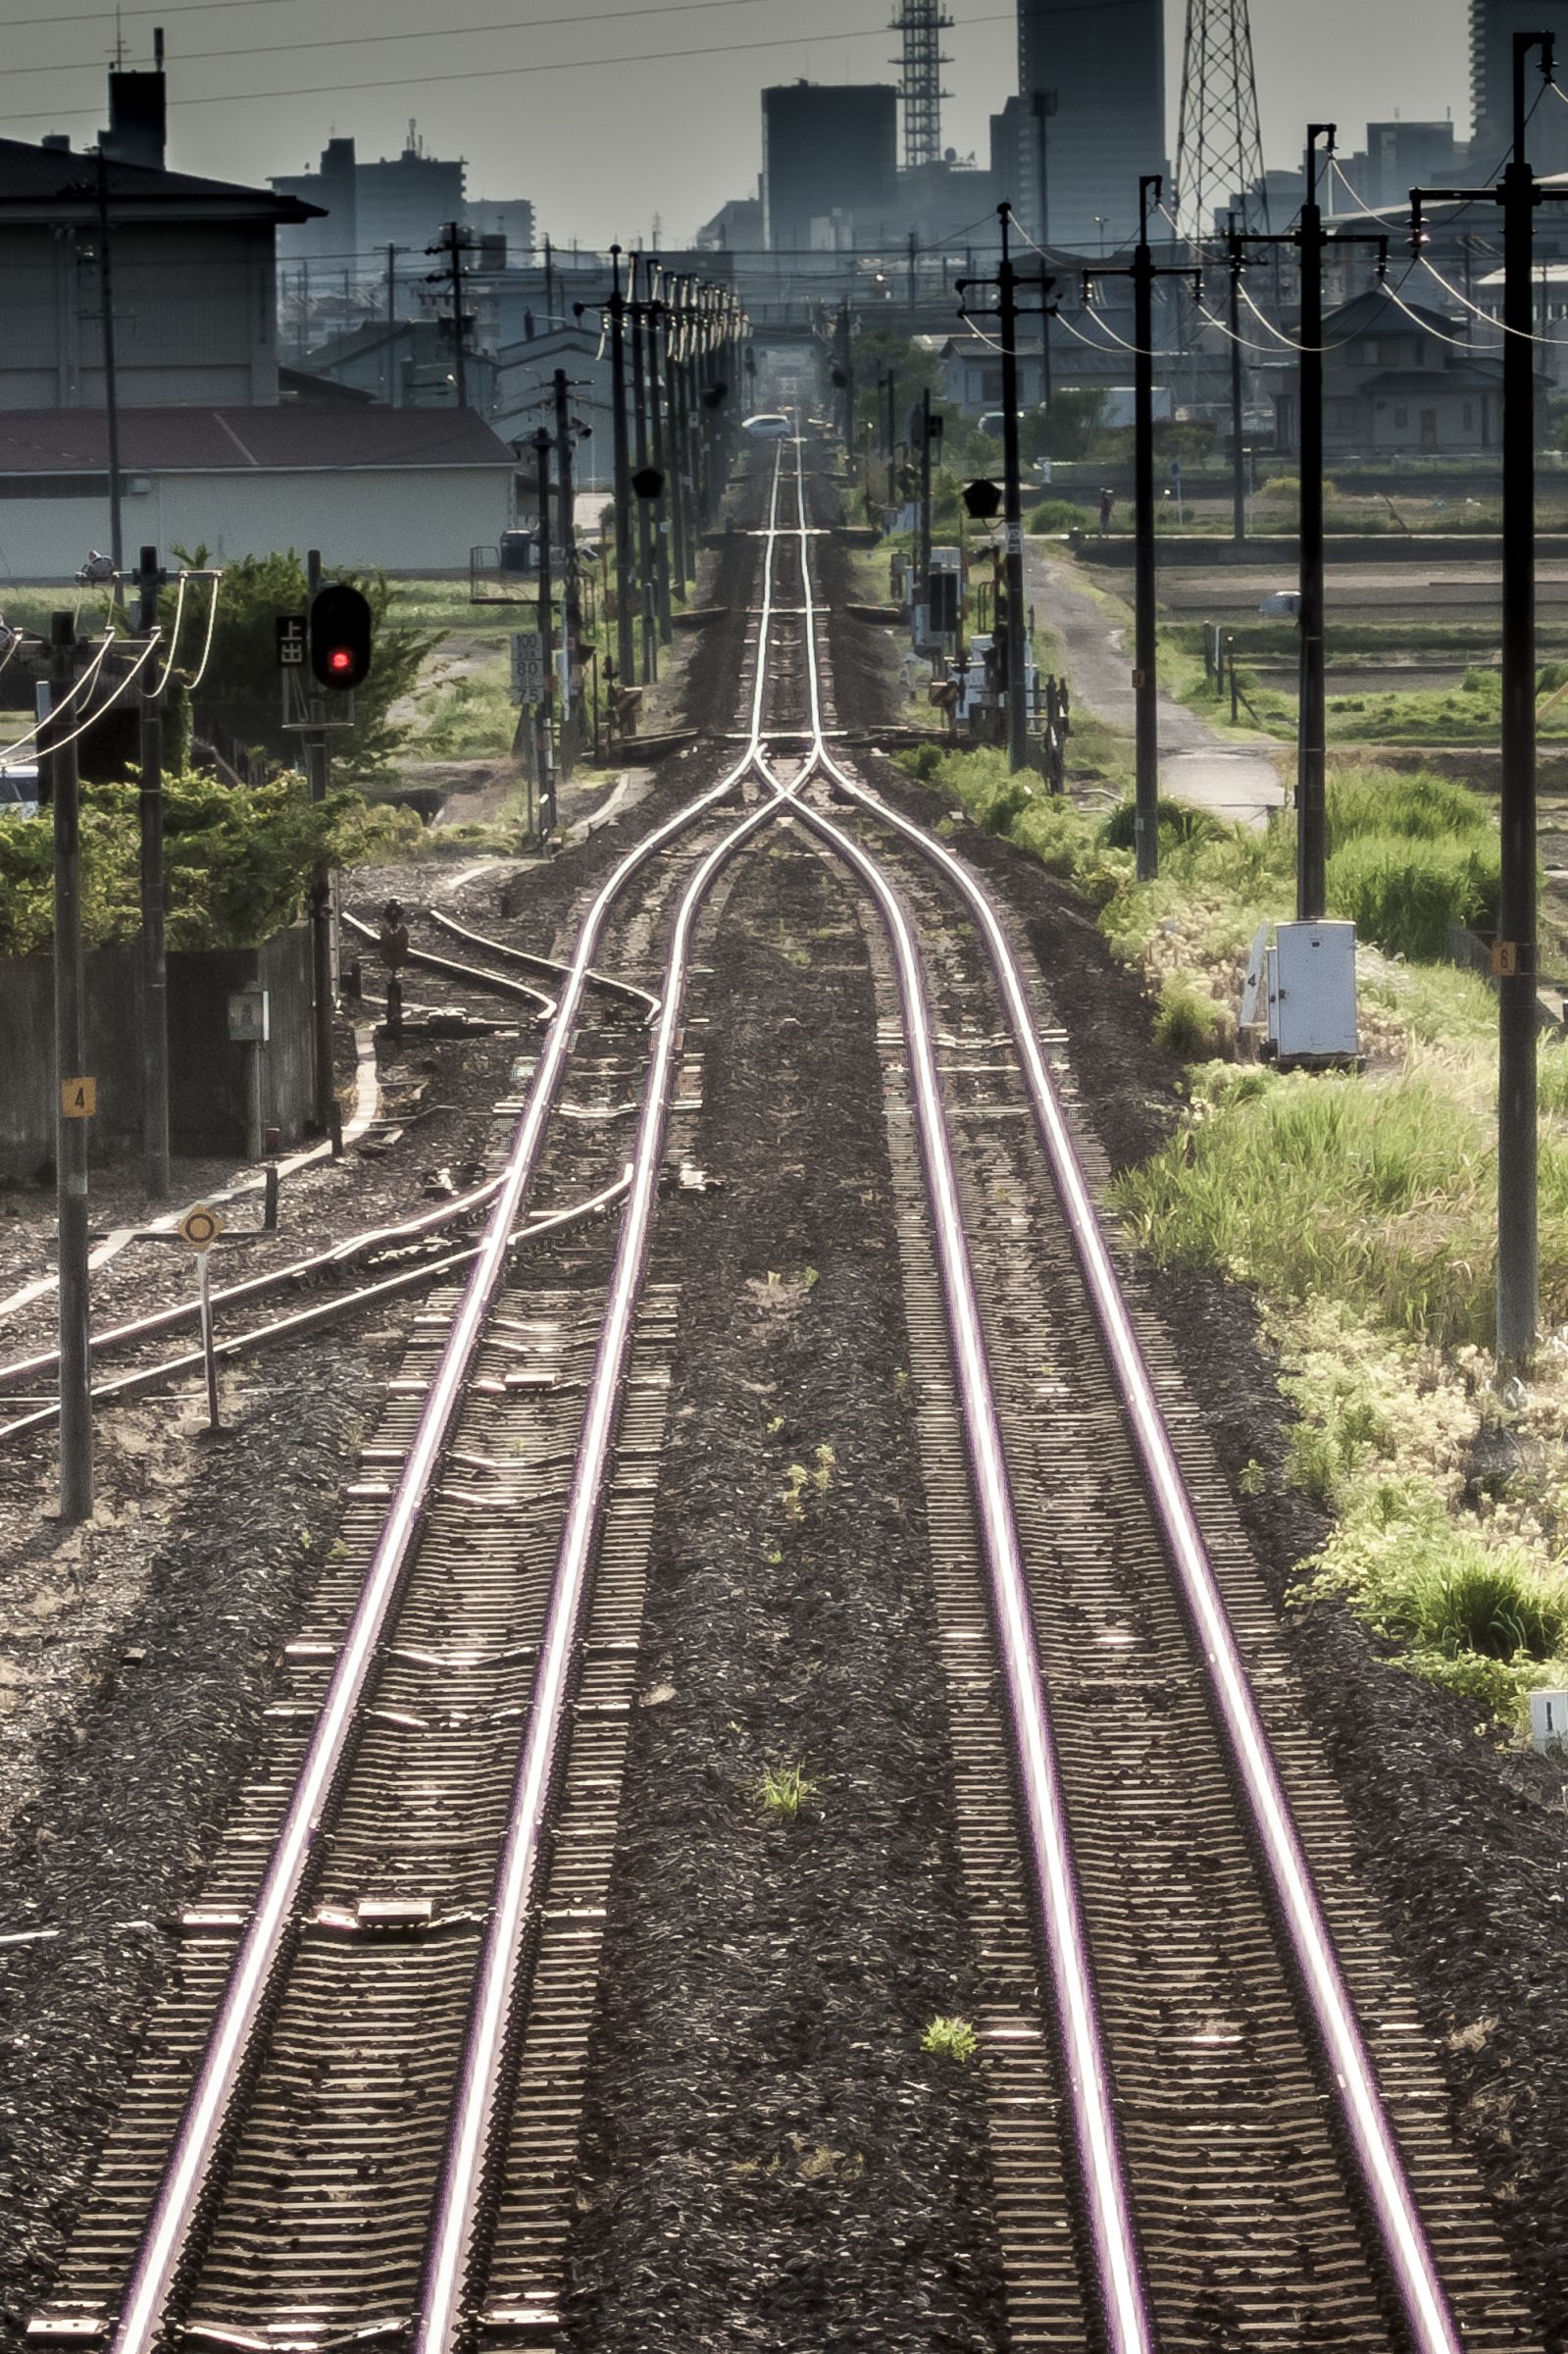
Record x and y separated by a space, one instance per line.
70 696
174 634
207 650
93 717
445 33
564 65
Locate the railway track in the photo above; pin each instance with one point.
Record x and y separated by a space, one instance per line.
357 2115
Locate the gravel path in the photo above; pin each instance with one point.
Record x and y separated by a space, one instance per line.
1235 779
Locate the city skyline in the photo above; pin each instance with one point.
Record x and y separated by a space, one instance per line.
579 141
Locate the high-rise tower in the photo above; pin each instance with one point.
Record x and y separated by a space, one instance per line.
1220 153
1493 25
920 83
1101 70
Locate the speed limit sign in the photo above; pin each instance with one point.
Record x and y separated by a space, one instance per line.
201 1227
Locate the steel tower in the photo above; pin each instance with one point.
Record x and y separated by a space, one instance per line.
922 23
1219 161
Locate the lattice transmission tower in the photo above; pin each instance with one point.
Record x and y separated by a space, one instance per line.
922 23
1219 159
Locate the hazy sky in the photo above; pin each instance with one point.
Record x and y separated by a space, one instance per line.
638 130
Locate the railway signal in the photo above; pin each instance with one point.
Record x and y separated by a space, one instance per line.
982 500
341 630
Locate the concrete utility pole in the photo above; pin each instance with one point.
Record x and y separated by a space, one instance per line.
450 246
624 639
658 457
154 963
1238 413
318 773
922 526
1014 646
1310 814
111 383
74 1100
677 486
547 812
1145 640
1514 952
639 409
392 252
571 585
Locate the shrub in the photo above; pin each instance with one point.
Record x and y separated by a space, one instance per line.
1191 1023
1058 515
1412 802
1178 821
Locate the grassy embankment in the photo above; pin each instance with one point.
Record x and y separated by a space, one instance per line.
1358 1208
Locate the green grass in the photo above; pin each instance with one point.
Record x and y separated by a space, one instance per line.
783 1791
470 718
1359 1208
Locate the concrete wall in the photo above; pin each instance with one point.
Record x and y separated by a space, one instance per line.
207 1074
408 519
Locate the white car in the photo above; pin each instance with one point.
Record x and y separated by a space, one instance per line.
19 790
769 426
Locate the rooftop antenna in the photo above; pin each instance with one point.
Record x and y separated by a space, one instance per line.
120 38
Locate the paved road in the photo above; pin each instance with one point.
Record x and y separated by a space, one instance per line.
1230 776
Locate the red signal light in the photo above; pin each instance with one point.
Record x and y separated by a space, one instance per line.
339 659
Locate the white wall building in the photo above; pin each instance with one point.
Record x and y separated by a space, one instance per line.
410 489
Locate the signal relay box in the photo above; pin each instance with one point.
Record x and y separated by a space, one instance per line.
1300 993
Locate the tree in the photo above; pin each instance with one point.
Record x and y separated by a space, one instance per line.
238 691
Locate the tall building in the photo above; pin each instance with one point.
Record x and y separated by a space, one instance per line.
829 161
403 200
1100 68
1493 25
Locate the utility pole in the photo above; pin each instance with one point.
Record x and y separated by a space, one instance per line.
1310 239
154 962
659 507
911 265
111 382
549 284
392 252
1145 641
571 585
1514 952
450 245
1014 646
1310 814
1238 413
674 409
923 531
1044 104
1518 1251
318 773
541 452
893 437
639 407
625 658
73 1085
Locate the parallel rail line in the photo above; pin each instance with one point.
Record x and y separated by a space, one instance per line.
1111 2299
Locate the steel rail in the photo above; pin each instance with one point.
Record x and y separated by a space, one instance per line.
467 2171
502 984
533 963
1348 2064
22 1369
441 2314
193 2159
322 1312
1117 2270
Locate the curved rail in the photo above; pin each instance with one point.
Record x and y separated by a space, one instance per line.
611 983
268 1935
502 984
1348 2063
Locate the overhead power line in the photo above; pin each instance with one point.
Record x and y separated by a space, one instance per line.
366 40
567 65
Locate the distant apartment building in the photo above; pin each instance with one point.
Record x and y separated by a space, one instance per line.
1099 66
829 165
1493 25
404 201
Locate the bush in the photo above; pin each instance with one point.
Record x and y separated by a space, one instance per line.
1412 802
1191 1024
1178 822
1058 515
